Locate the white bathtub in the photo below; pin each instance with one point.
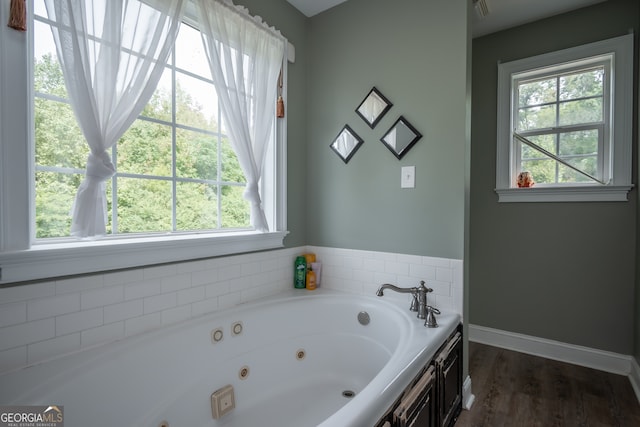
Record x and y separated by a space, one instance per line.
169 375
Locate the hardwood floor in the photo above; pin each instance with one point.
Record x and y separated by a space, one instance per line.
516 389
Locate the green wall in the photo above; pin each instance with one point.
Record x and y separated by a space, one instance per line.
415 53
560 271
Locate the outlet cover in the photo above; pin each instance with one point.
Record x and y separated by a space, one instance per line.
408 177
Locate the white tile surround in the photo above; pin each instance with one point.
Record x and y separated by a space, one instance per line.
45 320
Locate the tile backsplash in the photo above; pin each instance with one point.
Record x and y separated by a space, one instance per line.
362 272
44 320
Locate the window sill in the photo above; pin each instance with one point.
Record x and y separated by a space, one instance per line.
65 259
564 194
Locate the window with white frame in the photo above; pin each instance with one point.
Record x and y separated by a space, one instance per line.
178 189
565 120
175 168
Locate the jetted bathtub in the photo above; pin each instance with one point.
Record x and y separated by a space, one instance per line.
297 359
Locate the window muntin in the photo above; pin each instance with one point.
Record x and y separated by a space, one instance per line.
565 111
175 168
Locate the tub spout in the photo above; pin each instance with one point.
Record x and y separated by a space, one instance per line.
395 288
419 293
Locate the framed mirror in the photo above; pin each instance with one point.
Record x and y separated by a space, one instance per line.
373 107
401 137
346 143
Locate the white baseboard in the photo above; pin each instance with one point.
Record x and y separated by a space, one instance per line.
556 350
467 397
584 356
634 377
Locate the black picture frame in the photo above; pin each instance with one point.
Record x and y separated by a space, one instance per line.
373 107
401 137
346 143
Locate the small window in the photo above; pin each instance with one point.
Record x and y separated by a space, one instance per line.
564 120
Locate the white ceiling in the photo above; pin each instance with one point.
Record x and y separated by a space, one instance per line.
503 14
313 7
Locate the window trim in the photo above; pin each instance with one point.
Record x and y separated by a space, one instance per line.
21 261
64 259
621 125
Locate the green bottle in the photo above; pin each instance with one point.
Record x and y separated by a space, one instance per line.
300 273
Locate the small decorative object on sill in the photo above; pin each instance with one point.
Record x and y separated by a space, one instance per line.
525 180
18 15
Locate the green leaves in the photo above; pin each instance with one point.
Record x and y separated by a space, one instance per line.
209 182
563 114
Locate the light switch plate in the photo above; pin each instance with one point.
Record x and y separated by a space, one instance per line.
408 177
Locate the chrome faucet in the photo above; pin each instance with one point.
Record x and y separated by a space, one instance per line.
419 302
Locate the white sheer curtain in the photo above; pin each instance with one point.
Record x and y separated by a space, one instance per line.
112 53
245 58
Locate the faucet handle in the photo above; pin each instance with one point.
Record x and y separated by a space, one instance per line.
431 321
422 286
414 302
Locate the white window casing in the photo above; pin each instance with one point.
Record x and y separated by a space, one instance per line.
617 151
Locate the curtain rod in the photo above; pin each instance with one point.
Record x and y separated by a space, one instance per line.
244 12
190 15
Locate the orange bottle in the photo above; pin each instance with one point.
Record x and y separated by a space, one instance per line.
310 257
311 279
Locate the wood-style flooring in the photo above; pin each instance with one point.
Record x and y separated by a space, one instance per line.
516 389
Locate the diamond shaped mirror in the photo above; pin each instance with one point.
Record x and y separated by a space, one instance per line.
346 143
373 107
401 137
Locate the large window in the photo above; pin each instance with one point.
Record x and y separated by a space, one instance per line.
177 193
565 118
175 168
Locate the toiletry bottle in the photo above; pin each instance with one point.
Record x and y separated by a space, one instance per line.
299 274
310 257
311 279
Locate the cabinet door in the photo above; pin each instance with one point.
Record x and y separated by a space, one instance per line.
417 407
426 416
449 377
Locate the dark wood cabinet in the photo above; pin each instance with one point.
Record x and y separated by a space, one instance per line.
448 363
418 404
434 397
